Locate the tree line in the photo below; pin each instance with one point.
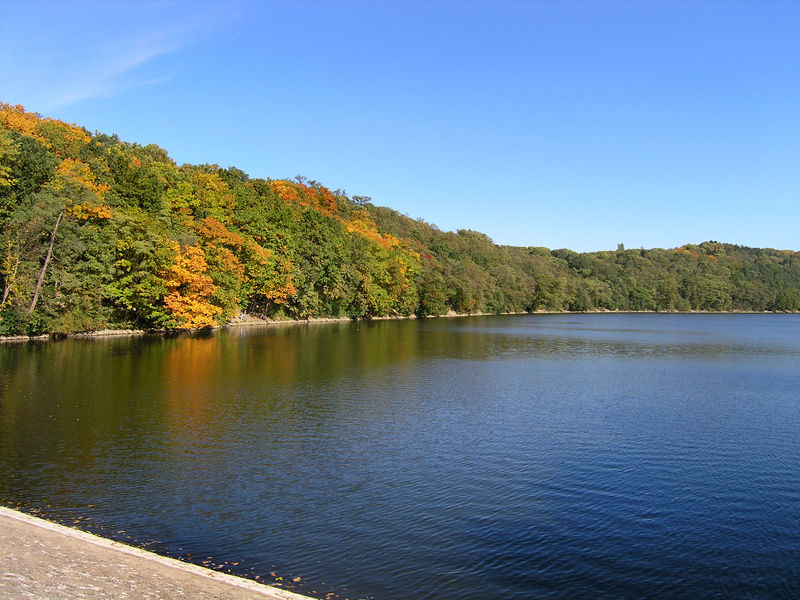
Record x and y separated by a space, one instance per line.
98 233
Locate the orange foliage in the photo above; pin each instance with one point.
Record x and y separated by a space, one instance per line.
212 230
189 289
219 243
318 197
228 263
260 253
323 200
285 190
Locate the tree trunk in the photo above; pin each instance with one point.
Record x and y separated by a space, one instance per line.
10 282
10 278
44 266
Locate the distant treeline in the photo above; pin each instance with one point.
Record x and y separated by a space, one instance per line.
97 233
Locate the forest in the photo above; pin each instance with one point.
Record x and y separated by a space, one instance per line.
99 233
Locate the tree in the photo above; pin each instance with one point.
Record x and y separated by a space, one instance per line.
189 290
47 258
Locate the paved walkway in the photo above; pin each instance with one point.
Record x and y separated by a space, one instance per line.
40 560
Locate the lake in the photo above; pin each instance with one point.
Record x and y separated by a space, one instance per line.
537 456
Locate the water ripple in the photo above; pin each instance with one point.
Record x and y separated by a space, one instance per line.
580 456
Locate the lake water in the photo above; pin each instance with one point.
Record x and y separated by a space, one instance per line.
542 456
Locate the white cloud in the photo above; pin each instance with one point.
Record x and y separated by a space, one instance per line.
112 51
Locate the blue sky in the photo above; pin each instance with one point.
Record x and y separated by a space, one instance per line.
558 124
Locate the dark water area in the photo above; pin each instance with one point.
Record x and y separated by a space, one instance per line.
542 456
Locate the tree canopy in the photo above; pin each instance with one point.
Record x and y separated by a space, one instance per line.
98 233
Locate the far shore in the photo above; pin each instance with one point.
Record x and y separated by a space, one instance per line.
247 321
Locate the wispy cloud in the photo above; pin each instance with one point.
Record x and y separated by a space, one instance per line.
112 72
113 55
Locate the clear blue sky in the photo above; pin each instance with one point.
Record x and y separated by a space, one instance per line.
558 124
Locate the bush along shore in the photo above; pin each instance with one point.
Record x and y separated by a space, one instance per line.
99 234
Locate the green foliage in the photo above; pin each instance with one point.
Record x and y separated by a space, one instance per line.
145 243
137 289
28 166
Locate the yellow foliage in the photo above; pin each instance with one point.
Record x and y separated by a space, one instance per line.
212 192
189 289
285 190
75 171
267 274
89 211
15 118
180 197
63 138
7 152
361 223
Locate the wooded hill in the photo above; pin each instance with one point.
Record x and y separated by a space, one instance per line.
99 233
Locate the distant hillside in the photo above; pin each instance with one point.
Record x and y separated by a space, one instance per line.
99 233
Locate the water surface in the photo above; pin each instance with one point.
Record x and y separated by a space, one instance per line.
543 456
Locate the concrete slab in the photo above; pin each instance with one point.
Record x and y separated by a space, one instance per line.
40 560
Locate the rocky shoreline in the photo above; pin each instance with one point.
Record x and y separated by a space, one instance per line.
250 321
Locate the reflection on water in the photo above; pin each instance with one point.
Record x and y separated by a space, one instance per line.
535 456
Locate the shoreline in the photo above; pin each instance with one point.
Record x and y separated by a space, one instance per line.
259 322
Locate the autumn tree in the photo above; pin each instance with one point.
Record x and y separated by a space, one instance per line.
189 289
